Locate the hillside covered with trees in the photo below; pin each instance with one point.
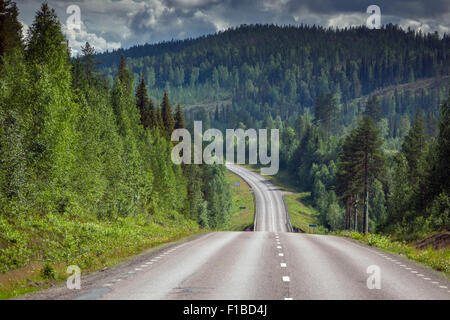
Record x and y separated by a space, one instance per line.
361 112
85 167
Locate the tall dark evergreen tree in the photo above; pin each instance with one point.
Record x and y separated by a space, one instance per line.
347 176
142 102
324 111
88 59
373 108
159 123
124 74
151 115
10 27
414 149
369 160
167 115
46 43
179 118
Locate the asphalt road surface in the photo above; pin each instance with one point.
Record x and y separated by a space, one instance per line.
271 263
271 213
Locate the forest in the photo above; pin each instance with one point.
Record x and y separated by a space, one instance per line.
85 141
85 164
361 112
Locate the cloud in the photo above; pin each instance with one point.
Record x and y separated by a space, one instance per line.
130 22
78 38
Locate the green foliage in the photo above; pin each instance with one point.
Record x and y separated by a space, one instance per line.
438 259
373 108
85 175
10 28
419 200
218 193
167 116
284 69
46 43
325 110
48 272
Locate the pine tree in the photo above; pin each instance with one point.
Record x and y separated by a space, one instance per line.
167 116
325 109
88 59
413 148
151 115
369 160
124 74
142 102
437 172
373 108
10 27
159 123
122 67
179 118
348 185
46 43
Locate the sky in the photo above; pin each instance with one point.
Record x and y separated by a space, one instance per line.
110 24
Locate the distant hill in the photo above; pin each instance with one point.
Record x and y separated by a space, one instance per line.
268 71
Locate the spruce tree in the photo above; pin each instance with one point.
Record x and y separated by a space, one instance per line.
347 177
413 148
46 43
325 109
159 123
10 27
167 115
122 67
142 102
369 159
373 108
124 74
179 118
151 115
88 59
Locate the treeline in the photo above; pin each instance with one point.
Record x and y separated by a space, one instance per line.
269 71
357 184
72 144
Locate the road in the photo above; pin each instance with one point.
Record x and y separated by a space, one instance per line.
271 213
268 264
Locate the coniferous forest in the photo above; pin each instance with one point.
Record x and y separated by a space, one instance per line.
360 112
85 164
85 154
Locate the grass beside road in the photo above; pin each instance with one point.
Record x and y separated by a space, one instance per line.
301 215
35 251
243 206
437 259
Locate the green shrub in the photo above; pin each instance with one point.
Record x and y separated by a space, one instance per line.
48 272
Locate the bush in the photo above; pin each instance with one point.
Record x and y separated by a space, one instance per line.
48 272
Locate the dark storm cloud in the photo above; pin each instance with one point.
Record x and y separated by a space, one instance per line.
109 23
402 8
